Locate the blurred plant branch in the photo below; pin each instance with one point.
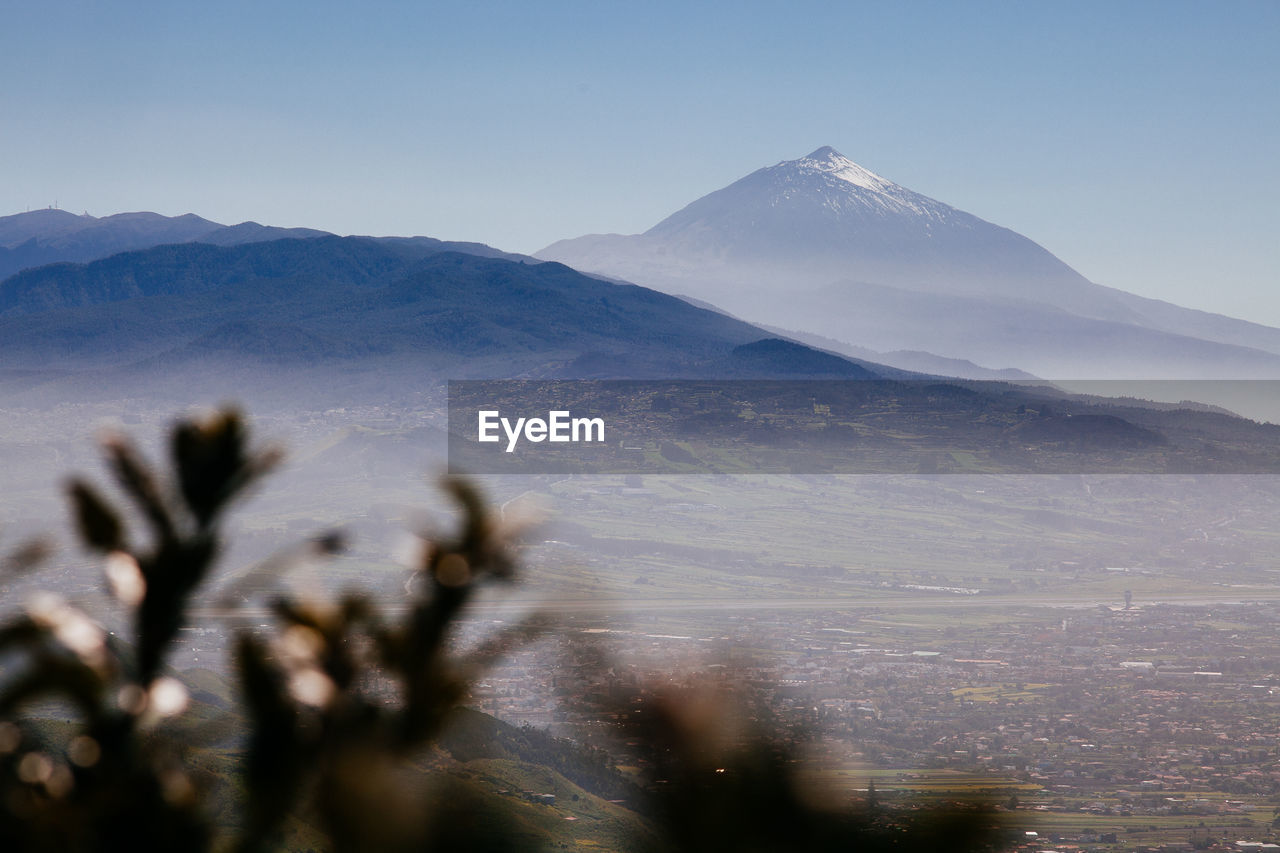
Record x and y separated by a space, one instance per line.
112 786
340 703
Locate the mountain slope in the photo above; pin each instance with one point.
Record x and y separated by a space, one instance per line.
823 218
191 269
823 245
383 313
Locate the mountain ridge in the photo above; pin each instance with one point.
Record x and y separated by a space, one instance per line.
389 313
41 237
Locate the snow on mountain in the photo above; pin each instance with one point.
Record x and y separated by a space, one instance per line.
827 167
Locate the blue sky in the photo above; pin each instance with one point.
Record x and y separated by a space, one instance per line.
1137 141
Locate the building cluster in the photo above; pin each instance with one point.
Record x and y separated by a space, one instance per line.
1126 724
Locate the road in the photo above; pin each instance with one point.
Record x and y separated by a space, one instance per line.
609 606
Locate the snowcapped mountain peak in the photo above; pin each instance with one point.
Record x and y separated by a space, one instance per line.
811 206
826 152
829 161
832 181
823 245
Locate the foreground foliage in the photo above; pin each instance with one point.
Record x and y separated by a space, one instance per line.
343 707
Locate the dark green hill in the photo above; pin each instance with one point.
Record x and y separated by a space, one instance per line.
471 735
783 357
195 269
341 312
